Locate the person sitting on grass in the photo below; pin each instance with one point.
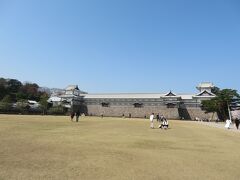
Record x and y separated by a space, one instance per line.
164 124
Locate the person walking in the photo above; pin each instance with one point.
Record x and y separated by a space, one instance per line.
158 117
77 115
164 124
151 121
237 122
228 123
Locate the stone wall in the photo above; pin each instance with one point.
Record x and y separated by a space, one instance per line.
118 111
170 113
198 112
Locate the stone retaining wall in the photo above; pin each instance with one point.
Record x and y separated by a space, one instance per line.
170 113
118 111
198 112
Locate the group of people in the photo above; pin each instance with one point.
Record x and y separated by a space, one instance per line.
163 122
77 116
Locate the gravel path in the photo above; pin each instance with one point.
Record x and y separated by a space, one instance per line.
219 125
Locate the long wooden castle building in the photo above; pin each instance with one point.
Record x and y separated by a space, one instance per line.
170 104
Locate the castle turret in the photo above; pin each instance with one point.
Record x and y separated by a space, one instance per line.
72 90
205 86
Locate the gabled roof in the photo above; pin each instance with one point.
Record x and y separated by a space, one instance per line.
170 93
205 93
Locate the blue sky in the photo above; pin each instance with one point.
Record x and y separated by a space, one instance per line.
121 45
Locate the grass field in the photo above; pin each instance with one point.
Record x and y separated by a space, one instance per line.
52 147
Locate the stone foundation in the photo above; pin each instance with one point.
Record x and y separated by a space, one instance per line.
169 113
198 112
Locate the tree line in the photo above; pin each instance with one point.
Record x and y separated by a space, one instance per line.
13 91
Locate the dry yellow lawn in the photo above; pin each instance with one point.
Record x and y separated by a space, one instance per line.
52 147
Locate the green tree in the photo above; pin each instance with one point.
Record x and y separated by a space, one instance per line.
220 103
22 105
44 103
20 96
215 90
29 91
6 103
3 90
7 99
210 106
13 85
3 81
